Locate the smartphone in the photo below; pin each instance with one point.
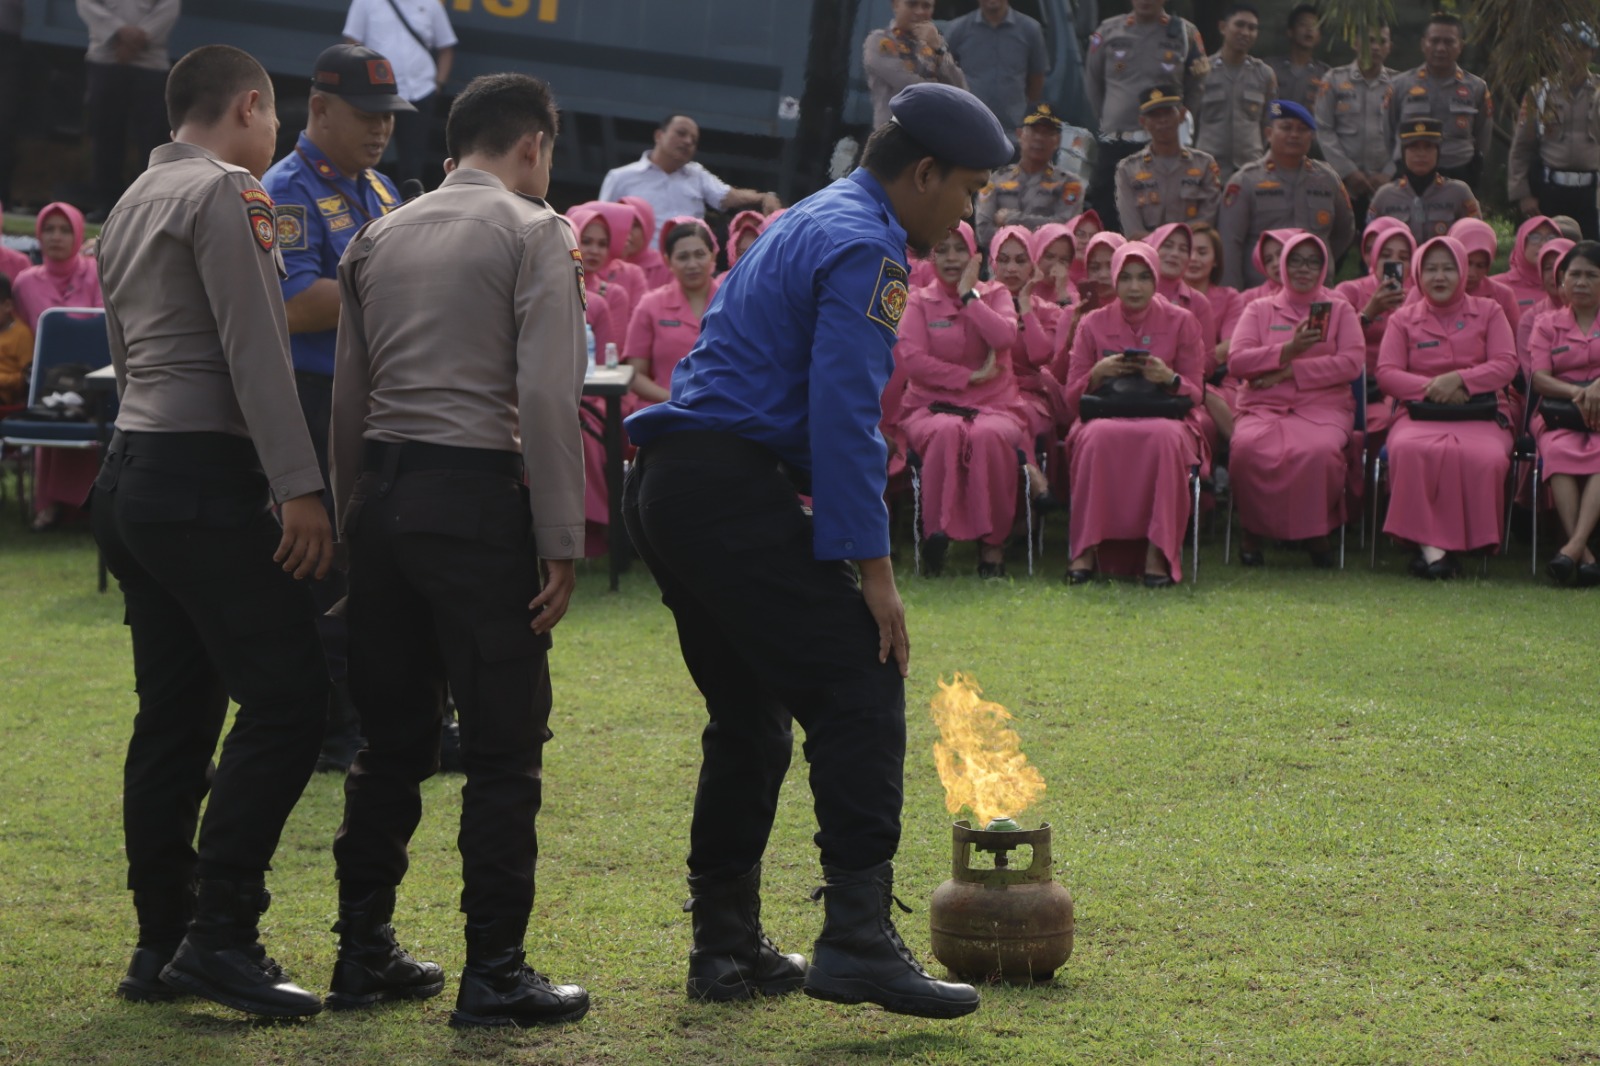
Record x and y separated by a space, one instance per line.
1321 311
1135 355
1394 272
1086 292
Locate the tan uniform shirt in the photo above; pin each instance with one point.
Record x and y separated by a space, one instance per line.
1154 190
105 17
1302 85
1262 196
1557 128
1429 215
1353 126
1127 57
1233 107
1462 104
1031 200
189 271
893 60
461 323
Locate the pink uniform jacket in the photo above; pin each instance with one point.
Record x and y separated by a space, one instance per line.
663 329
1521 276
1561 348
70 282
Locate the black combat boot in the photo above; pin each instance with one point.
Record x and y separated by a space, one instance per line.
498 988
163 920
371 966
860 958
222 958
732 957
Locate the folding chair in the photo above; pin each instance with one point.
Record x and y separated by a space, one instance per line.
1525 449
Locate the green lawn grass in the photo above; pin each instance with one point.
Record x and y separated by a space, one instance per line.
1307 817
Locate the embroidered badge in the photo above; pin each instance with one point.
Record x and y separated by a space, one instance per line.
379 72
341 222
331 205
577 265
292 227
1324 218
1230 196
256 196
263 225
889 295
670 323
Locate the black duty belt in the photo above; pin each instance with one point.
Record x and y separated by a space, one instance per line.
191 449
393 458
730 449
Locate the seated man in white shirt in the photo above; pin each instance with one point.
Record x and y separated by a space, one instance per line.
416 38
674 184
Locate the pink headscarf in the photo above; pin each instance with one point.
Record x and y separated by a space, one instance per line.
1399 231
1475 235
1021 234
1377 232
1258 258
70 282
647 256
751 221
1556 250
1519 273
619 219
1105 239
1146 255
1300 302
687 220
1168 287
1457 252
1078 269
1044 237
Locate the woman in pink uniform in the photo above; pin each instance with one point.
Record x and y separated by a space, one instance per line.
1174 243
1386 240
1447 478
1482 245
1014 270
62 476
1566 366
12 262
1204 275
743 230
666 323
1522 272
619 220
962 412
1053 250
1550 255
1130 476
1096 291
1083 229
641 249
1266 256
1290 459
594 246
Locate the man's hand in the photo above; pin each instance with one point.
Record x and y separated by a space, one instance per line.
883 600
128 42
550 606
1002 216
1529 205
307 545
770 203
927 33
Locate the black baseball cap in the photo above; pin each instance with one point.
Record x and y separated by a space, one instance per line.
360 76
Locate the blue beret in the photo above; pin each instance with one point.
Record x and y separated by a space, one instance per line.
953 125
1289 109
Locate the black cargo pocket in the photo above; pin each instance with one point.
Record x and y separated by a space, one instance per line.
152 495
275 654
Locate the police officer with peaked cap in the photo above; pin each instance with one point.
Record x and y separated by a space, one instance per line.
209 434
1554 162
1284 189
324 191
780 397
1440 89
1030 192
459 370
1166 182
1421 197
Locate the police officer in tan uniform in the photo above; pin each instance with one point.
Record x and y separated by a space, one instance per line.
1166 182
1442 90
1301 76
1235 94
1352 116
1555 152
209 434
1127 55
1421 197
1030 192
1284 189
908 52
459 369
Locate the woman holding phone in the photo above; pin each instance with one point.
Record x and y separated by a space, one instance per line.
1389 246
1174 243
1446 477
1565 353
1129 476
1297 354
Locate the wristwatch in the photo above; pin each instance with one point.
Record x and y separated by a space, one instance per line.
1175 383
968 296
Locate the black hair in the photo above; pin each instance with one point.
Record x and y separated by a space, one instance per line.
1589 251
1240 9
1302 9
203 83
890 150
496 111
682 230
1445 18
666 122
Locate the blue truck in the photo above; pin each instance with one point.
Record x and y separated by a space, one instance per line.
774 84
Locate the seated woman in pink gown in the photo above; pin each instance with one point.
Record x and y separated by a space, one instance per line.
666 323
1566 366
1550 255
641 248
743 230
1083 229
962 412
1130 476
1204 275
1053 249
1482 245
1522 271
594 248
1013 268
1291 453
1095 290
62 476
1446 478
1375 298
1174 243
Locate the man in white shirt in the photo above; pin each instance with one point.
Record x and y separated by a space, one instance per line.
674 184
126 68
416 37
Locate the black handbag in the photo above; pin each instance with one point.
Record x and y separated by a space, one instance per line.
1563 414
1132 397
1480 407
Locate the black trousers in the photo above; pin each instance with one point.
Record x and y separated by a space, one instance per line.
768 631
1575 200
1471 173
1103 186
442 568
126 104
183 522
316 403
411 129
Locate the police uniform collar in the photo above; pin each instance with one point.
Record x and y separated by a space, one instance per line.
864 178
176 150
470 176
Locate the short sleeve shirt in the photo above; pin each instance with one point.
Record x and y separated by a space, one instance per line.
375 24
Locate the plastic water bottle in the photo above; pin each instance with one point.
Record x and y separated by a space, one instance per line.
588 332
611 355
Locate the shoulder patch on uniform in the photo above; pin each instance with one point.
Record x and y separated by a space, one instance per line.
583 290
1230 196
889 294
256 196
263 225
292 227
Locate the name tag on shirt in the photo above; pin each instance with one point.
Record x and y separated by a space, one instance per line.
1286 329
940 323
1563 348
669 322
1427 344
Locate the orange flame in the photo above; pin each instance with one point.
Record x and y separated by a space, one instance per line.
980 759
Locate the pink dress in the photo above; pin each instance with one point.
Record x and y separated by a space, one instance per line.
1292 442
1522 277
1559 347
969 464
1356 292
663 329
648 257
62 476
1447 479
1130 476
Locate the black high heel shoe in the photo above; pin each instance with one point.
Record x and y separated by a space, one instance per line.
1562 568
